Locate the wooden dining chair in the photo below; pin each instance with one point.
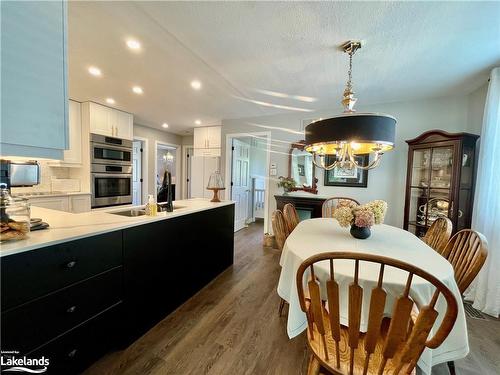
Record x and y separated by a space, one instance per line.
466 251
281 232
390 345
291 216
330 204
280 228
438 234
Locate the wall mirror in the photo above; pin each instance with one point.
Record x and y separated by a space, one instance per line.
301 169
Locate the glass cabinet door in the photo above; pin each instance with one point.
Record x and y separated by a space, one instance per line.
430 190
465 189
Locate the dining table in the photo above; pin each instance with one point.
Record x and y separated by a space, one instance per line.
314 236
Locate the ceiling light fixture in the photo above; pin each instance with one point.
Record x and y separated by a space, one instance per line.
165 125
349 134
137 90
198 122
133 44
196 84
110 100
95 71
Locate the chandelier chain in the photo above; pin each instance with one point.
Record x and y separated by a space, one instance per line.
349 74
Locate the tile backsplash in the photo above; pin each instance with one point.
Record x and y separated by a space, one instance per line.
47 174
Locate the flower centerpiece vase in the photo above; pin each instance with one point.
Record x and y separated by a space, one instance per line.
361 233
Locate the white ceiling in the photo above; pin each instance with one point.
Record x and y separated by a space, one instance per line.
240 49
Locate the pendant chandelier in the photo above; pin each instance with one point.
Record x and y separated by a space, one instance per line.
338 140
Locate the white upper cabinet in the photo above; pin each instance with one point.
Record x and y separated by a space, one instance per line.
124 125
100 119
108 121
207 141
213 136
34 97
73 155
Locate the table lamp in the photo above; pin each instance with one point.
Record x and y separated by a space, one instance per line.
215 184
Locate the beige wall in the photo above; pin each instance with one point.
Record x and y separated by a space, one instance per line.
153 136
452 114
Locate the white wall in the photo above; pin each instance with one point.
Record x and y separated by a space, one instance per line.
387 182
153 135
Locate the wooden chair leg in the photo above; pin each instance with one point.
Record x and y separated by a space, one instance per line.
282 304
451 367
314 366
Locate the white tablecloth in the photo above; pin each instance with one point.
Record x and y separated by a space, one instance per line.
315 236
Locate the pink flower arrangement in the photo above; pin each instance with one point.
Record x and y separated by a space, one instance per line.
364 218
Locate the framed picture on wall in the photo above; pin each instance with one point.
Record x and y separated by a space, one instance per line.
348 177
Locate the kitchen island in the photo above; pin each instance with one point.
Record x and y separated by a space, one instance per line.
96 281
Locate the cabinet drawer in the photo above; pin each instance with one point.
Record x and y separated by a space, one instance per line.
32 274
79 348
27 327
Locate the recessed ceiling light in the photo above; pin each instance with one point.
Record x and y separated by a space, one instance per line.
133 44
137 90
165 125
110 100
196 84
95 71
198 122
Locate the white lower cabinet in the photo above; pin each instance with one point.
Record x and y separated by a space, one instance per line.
54 203
69 203
79 203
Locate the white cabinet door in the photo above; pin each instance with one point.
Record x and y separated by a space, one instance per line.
54 203
74 154
200 138
213 137
100 119
34 97
124 125
79 203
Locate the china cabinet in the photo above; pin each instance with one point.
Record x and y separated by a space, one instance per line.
440 180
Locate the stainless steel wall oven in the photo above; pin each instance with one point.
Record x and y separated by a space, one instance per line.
111 171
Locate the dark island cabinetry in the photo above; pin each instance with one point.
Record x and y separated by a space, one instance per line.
167 262
75 301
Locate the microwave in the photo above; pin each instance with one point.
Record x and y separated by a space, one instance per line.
110 150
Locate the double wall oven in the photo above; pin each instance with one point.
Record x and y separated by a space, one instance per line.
111 171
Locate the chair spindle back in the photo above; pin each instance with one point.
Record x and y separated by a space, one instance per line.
439 233
280 228
466 251
291 216
330 204
405 339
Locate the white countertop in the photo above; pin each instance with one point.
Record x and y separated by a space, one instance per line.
49 194
65 226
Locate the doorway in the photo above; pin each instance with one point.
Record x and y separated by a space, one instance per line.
167 158
137 167
247 164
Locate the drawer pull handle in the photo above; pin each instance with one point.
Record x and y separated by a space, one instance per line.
71 309
71 264
72 353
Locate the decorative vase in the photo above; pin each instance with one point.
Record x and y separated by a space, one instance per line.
285 191
360 232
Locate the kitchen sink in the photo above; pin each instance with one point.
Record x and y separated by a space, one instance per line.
130 212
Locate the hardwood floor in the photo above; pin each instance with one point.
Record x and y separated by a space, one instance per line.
232 327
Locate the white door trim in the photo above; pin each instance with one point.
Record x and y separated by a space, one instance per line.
144 167
228 167
184 170
178 171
